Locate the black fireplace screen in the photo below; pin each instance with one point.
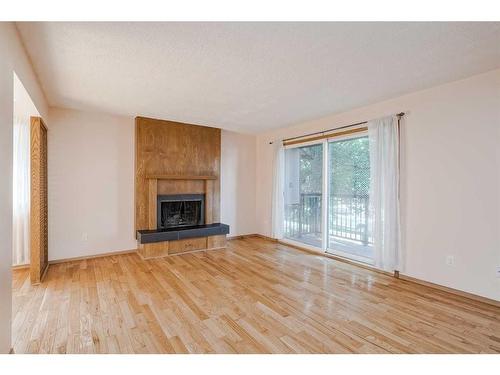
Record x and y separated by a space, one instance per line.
180 210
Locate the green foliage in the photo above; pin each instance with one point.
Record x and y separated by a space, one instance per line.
349 167
311 168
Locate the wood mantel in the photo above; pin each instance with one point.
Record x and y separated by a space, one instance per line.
178 177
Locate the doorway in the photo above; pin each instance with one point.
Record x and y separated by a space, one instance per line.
327 196
29 197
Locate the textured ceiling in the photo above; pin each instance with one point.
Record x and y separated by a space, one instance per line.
249 77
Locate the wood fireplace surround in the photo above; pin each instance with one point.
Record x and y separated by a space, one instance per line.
176 158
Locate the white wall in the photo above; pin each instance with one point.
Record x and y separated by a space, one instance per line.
90 183
238 174
450 183
24 109
23 105
12 58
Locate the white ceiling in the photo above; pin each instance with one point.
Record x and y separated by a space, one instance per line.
249 77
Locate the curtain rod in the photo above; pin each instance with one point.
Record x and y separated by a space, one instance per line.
400 114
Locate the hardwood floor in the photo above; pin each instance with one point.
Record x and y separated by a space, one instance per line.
255 297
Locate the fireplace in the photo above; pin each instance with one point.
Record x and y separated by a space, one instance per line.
180 210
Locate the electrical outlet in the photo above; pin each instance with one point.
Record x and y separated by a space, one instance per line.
85 236
498 271
450 260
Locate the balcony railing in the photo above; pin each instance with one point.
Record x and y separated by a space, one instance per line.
304 217
348 217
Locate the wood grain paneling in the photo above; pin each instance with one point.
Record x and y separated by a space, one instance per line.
152 202
167 148
216 242
181 186
153 250
209 202
166 248
189 244
179 177
39 251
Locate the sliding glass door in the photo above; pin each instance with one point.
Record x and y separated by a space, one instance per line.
349 222
303 194
327 196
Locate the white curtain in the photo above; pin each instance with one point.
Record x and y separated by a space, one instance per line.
278 189
384 195
21 191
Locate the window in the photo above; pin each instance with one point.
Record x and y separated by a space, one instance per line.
303 194
349 223
340 222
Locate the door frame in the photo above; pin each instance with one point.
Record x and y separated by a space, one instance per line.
324 201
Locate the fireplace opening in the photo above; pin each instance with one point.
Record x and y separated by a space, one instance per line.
180 210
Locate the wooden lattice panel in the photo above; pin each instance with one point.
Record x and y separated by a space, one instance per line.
39 201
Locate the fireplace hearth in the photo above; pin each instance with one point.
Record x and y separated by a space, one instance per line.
180 210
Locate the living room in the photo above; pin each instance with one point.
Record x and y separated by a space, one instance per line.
250 187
